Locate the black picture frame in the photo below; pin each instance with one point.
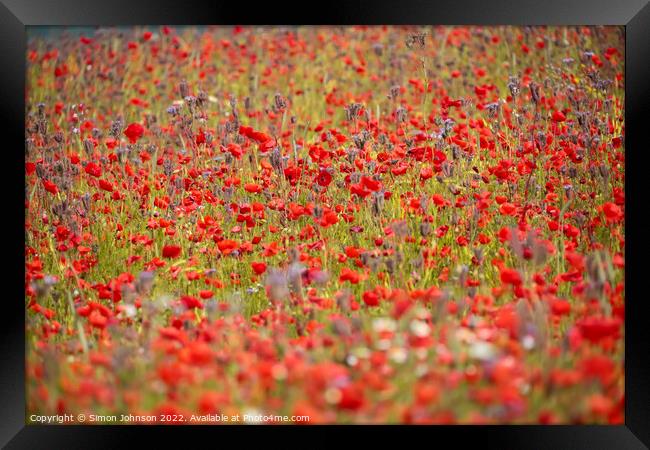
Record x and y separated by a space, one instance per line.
15 15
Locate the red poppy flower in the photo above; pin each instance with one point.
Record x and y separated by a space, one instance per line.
235 150
426 173
191 302
206 294
134 132
227 245
349 275
558 116
171 251
106 185
323 178
351 398
596 328
612 211
510 276
370 298
93 169
258 267
97 319
370 184
252 188
50 187
507 209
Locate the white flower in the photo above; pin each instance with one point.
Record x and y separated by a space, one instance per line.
381 324
528 342
398 355
483 351
129 311
420 328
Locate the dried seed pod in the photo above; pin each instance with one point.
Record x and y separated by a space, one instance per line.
425 229
416 41
534 92
184 89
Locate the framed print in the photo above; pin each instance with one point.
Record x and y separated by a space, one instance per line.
420 218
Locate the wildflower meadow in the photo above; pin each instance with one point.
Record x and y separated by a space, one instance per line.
320 225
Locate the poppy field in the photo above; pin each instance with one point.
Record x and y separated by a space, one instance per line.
326 225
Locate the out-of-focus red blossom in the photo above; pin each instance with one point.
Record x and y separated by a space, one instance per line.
106 185
561 307
371 298
253 187
349 275
351 398
612 211
205 294
50 187
510 276
134 132
93 169
171 251
191 302
558 116
258 267
598 366
596 328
